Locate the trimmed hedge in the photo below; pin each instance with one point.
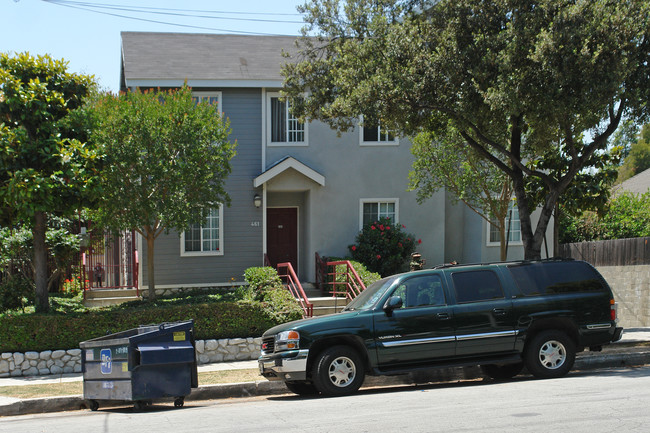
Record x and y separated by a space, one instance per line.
36 332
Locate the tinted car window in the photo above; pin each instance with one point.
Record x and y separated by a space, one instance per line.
420 291
552 278
475 286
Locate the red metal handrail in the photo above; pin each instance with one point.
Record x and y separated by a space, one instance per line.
295 288
353 284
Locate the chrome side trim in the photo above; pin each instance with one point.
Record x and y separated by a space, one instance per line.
399 343
599 326
487 335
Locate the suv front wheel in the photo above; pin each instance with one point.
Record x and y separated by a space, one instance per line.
550 354
338 371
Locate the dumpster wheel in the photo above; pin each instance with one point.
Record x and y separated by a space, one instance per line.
93 405
179 402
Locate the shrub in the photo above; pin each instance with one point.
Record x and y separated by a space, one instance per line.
383 247
265 287
366 276
16 292
37 332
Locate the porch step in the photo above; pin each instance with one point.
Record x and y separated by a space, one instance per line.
106 297
328 305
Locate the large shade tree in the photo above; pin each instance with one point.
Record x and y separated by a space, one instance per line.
47 165
515 78
168 158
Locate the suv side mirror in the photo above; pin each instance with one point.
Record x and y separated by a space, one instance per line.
393 303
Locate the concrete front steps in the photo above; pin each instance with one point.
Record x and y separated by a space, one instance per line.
328 305
106 297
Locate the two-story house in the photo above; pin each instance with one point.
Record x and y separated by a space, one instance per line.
297 189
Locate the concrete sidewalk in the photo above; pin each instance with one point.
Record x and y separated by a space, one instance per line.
632 350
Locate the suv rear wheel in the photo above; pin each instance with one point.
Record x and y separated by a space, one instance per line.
550 354
338 371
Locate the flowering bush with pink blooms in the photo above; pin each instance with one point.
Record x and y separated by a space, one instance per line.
384 247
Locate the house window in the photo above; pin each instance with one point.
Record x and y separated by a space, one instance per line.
206 239
214 98
372 210
512 220
285 128
377 135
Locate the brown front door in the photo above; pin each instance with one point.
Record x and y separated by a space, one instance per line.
282 236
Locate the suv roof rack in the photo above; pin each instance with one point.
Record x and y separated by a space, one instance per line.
509 262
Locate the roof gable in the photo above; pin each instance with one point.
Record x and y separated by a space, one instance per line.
166 59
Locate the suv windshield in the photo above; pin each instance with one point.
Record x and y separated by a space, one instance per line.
369 297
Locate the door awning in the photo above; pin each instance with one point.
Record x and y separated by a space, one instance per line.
285 164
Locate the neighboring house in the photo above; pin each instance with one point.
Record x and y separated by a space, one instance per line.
296 190
638 184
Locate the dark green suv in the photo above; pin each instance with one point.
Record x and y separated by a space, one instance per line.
501 316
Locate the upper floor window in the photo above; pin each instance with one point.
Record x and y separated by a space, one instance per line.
214 98
206 239
374 209
377 135
284 127
513 227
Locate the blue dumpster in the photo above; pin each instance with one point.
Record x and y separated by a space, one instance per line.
140 365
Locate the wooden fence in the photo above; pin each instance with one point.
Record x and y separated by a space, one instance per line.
617 252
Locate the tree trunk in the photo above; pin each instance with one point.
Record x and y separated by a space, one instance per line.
40 262
150 268
504 243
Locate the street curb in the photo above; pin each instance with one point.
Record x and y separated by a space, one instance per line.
252 389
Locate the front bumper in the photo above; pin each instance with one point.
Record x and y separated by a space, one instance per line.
286 366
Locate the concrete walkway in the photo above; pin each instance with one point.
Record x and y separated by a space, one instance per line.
633 349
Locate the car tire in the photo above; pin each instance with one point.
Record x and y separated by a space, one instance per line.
302 388
502 372
338 371
550 354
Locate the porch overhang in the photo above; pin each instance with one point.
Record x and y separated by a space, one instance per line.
285 164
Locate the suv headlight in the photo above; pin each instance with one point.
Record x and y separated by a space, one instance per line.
287 340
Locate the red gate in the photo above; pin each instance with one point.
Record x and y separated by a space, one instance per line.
110 261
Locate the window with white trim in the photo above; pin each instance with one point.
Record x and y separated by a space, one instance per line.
214 98
377 135
284 128
374 209
514 233
206 239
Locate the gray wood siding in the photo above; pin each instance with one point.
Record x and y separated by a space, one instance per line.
242 241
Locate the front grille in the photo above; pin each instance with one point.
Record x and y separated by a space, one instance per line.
268 344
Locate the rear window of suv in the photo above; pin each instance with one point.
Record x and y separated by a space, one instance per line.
552 278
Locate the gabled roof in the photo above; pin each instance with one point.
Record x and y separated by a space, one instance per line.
638 184
168 59
285 164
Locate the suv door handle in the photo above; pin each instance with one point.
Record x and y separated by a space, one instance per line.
499 312
443 316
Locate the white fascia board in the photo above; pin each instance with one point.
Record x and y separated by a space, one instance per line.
149 83
285 165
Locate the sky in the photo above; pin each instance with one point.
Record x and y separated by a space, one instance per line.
86 33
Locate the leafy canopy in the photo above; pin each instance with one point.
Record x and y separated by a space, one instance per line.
515 78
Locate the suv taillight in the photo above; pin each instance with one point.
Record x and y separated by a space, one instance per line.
612 311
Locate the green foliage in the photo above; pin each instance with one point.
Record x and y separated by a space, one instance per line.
383 247
46 164
512 79
638 158
628 216
16 250
442 159
168 160
16 292
366 276
65 331
265 287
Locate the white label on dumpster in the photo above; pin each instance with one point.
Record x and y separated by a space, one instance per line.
106 361
90 355
107 385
